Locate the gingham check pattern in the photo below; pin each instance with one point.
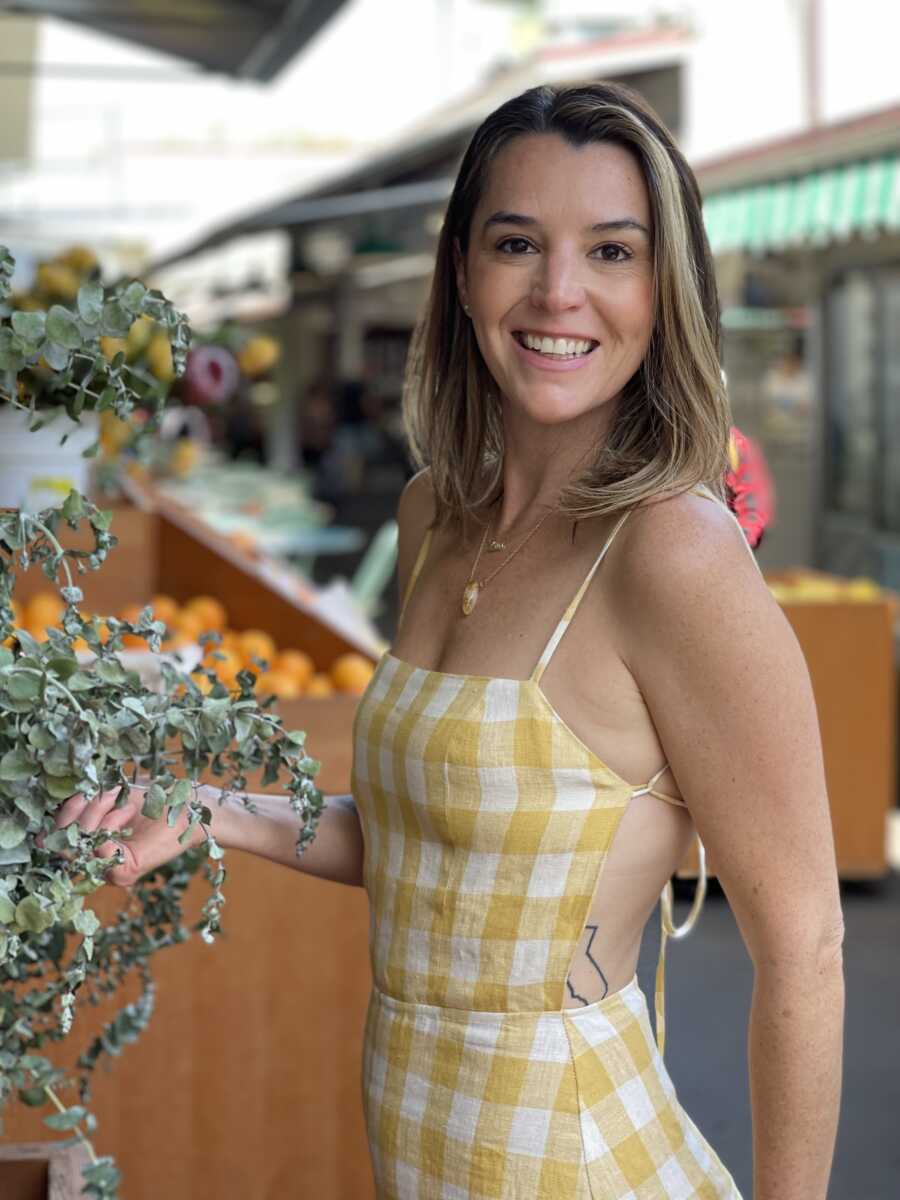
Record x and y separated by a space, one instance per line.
487 824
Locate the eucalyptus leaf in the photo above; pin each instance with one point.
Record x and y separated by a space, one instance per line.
66 1120
90 302
61 787
29 325
133 297
34 916
16 764
55 355
63 328
22 685
86 922
154 802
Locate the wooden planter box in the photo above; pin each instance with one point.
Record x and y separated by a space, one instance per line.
42 1170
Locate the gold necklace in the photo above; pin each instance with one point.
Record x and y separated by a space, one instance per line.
473 588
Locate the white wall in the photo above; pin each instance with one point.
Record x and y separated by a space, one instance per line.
747 79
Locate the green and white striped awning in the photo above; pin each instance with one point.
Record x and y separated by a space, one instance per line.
835 203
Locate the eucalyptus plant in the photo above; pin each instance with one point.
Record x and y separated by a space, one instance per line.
75 722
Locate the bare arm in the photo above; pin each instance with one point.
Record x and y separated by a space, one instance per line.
729 692
336 853
271 831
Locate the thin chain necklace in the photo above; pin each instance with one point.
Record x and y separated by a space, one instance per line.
473 588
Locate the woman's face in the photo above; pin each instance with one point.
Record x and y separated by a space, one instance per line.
560 248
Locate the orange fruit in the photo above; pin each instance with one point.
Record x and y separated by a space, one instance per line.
297 664
43 609
276 683
38 632
80 646
231 640
320 685
17 611
164 608
227 667
255 643
131 641
99 625
210 611
245 542
188 624
351 672
175 641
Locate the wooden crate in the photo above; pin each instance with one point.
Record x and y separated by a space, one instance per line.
42 1170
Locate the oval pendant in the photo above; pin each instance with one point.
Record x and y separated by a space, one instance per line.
470 597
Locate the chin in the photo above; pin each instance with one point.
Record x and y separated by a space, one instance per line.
552 410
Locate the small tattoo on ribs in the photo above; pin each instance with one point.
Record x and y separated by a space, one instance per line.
577 995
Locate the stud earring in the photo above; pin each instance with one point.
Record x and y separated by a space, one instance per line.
467 310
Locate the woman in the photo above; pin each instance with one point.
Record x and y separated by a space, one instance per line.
566 406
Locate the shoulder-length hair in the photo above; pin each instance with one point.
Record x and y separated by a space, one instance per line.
670 430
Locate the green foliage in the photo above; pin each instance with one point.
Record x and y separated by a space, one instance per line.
54 360
71 725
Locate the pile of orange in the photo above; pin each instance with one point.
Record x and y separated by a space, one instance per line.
288 673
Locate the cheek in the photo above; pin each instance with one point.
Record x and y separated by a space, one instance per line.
635 311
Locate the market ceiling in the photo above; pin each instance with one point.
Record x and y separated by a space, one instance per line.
248 39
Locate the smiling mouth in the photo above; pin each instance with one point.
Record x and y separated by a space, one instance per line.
557 348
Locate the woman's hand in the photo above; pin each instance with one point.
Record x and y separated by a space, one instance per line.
151 843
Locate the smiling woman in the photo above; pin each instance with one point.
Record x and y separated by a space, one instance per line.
574 218
565 375
564 397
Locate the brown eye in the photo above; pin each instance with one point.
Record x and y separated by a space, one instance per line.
519 241
613 252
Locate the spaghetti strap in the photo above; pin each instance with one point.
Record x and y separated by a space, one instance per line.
414 574
649 789
573 605
667 929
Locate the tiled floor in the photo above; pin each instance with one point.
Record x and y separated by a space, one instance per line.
709 981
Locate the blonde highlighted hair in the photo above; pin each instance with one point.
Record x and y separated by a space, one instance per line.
671 427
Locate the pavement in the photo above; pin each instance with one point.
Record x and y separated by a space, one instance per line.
709 983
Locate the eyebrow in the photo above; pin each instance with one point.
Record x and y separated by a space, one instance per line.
511 218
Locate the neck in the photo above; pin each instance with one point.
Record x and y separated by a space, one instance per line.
537 467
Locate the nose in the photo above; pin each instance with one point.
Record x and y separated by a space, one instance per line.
557 285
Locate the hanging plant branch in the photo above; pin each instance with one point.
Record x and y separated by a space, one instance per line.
74 722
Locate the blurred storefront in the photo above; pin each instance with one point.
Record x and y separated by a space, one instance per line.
806 233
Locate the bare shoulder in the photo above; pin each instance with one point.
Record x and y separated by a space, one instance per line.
415 511
684 574
681 534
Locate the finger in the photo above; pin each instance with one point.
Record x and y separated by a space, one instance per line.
97 811
70 810
127 872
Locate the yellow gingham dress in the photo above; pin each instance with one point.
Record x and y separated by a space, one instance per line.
486 825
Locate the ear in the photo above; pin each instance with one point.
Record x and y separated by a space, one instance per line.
460 268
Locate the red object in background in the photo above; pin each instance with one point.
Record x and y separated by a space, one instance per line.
211 375
749 487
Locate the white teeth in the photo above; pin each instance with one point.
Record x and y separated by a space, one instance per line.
563 346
